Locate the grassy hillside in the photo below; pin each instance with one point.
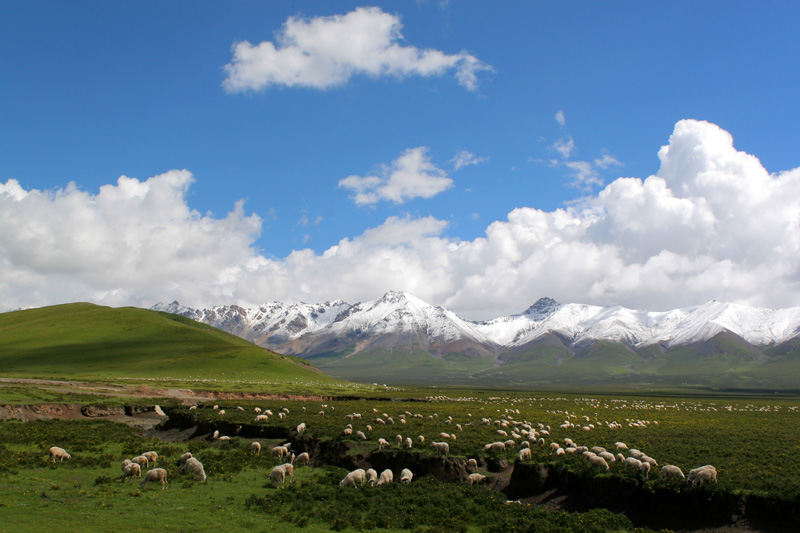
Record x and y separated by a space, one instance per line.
87 341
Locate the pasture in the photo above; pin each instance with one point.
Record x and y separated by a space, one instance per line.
751 441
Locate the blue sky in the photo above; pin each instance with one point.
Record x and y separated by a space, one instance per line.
395 160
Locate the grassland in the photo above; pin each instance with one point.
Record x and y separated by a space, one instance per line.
751 441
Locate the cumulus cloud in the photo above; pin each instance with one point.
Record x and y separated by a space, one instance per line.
465 158
412 175
324 52
712 223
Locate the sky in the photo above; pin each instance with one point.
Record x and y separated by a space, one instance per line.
477 155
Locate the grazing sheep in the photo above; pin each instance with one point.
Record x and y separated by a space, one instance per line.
347 431
60 453
525 454
704 476
303 458
185 457
398 439
151 456
278 475
193 407
672 471
215 435
495 447
256 447
261 418
361 435
193 467
696 472
621 445
608 456
421 439
645 468
131 470
472 463
441 447
620 458
372 477
280 451
221 412
355 478
156 474
301 427
636 454
289 469
257 410
141 460
409 443
599 462
382 442
632 462
406 476
554 446
386 477
224 438
501 432
524 444
510 444
475 479
561 451
645 458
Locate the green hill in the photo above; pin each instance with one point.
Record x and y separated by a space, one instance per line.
87 341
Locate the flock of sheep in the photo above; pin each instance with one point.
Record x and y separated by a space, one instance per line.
518 433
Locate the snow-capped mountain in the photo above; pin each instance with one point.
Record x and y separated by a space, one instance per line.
399 319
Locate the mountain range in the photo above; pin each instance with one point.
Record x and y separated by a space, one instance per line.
401 339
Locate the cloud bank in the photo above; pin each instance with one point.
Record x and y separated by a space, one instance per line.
324 52
712 223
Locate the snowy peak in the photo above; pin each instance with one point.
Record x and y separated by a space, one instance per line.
407 319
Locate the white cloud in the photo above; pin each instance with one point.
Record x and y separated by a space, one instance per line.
325 52
560 118
412 175
711 223
465 158
584 174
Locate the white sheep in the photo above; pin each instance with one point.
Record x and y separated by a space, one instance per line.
406 476
698 472
421 439
256 447
185 457
60 453
386 477
361 435
261 418
398 439
193 467
472 463
525 454
215 435
301 427
280 451
409 443
141 460
382 442
599 462
278 475
151 456
608 456
156 474
347 431
495 447
355 478
475 478
621 445
289 469
372 477
672 471
441 447
303 458
224 438
645 468
130 470
632 462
